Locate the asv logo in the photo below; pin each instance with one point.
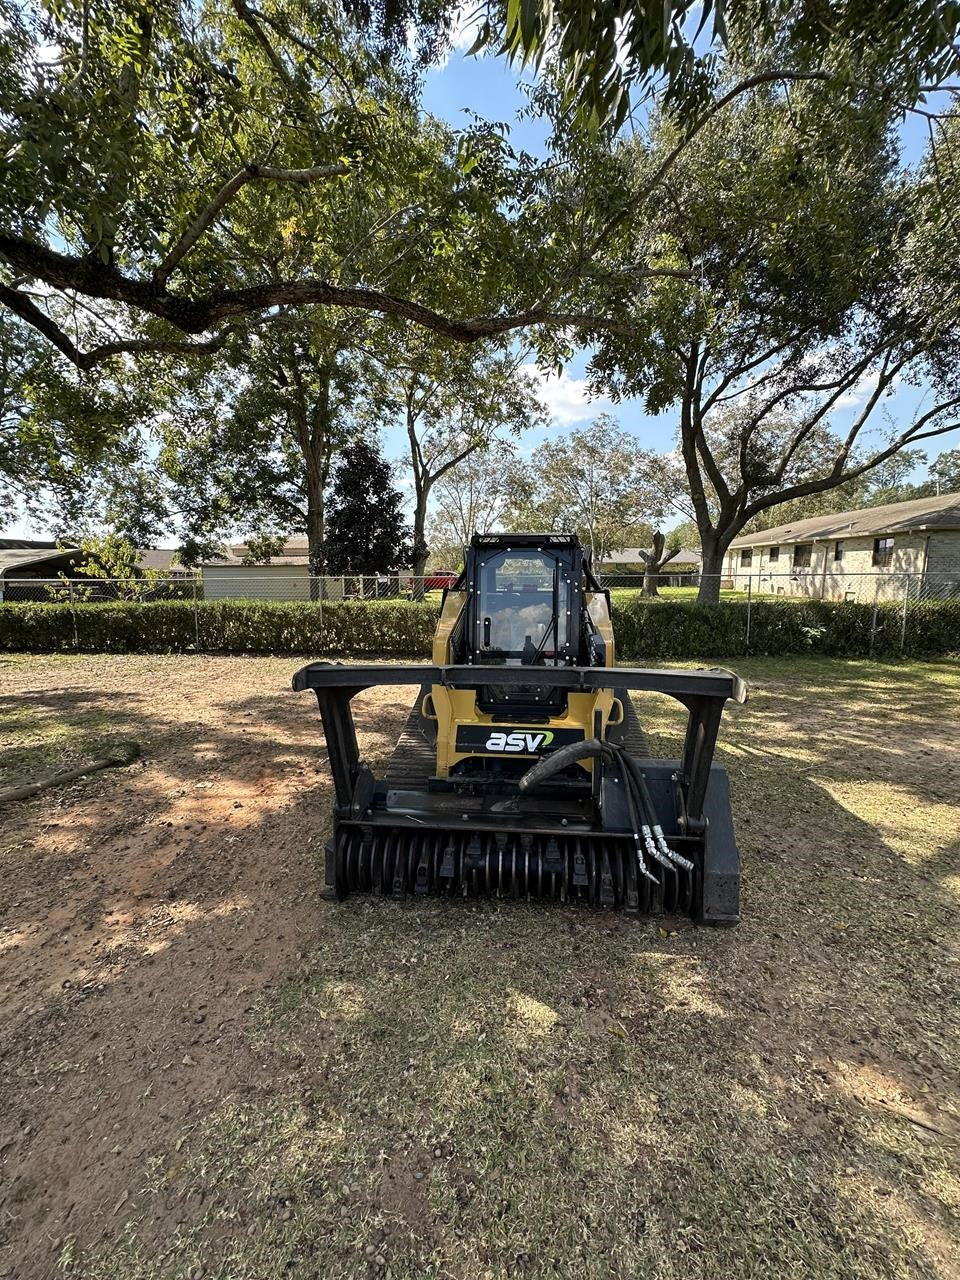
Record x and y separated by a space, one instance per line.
519 743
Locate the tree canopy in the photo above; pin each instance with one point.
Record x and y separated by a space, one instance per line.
596 482
815 283
144 149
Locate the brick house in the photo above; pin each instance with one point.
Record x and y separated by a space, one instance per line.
876 552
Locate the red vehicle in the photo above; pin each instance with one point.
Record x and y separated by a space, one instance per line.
437 581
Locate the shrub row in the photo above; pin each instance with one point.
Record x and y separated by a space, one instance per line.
646 630
682 629
387 628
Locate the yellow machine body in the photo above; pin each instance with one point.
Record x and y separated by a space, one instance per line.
453 709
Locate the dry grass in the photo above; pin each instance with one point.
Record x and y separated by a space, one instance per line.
478 1091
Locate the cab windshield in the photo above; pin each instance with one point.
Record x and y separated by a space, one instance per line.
523 602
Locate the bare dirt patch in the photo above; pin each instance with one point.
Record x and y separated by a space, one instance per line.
206 1070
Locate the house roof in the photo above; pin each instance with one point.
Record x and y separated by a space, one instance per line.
25 544
632 555
237 562
160 558
919 514
24 557
295 551
21 553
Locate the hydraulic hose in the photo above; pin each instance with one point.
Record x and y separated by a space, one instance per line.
647 831
561 759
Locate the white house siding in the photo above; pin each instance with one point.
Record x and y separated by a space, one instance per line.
256 582
855 577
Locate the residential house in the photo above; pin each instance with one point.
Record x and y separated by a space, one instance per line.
237 575
872 553
28 567
683 570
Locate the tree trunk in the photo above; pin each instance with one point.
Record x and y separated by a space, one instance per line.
313 434
315 525
421 550
654 564
714 548
315 535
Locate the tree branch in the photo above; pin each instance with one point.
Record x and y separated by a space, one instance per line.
695 383
39 320
742 86
249 173
837 476
246 16
96 279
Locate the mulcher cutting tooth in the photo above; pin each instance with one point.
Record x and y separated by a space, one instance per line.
448 866
474 854
500 854
552 858
580 877
607 898
399 888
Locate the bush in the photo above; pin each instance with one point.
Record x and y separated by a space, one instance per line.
646 630
388 628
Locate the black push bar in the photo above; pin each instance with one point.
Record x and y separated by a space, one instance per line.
703 693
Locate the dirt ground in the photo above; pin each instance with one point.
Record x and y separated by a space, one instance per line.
206 1070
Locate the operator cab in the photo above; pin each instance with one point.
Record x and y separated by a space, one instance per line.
525 608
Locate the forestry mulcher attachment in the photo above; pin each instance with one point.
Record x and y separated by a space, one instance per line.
522 770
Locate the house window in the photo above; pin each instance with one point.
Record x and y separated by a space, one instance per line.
801 555
882 552
746 559
838 551
774 555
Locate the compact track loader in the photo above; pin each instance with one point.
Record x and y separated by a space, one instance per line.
522 770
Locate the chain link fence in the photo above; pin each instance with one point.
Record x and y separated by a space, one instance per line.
226 585
741 588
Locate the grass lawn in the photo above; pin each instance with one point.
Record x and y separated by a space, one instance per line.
676 593
208 1071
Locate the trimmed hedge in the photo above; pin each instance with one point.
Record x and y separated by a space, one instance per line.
682 629
646 630
387 628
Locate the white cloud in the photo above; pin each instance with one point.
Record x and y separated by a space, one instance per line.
465 24
859 392
567 399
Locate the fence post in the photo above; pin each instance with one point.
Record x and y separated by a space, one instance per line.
903 620
73 615
749 608
196 612
873 620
